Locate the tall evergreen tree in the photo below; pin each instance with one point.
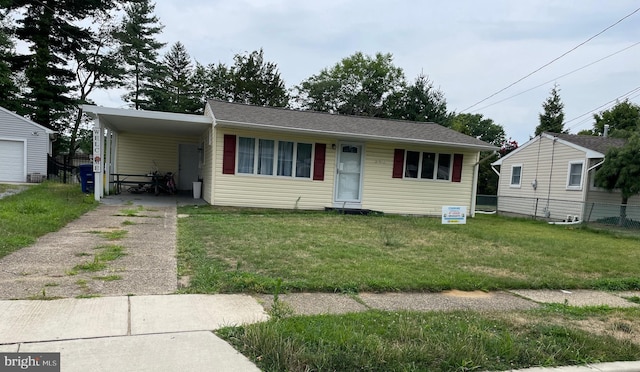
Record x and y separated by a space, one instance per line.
50 29
173 90
419 101
8 89
139 50
552 120
257 82
212 82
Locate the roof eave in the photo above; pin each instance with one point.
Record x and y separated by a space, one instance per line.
94 111
235 124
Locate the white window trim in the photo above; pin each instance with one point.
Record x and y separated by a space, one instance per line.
515 185
435 167
276 142
578 187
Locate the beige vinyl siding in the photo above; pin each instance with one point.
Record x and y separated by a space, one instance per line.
381 192
145 153
551 175
272 191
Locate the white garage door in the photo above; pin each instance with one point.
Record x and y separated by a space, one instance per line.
12 161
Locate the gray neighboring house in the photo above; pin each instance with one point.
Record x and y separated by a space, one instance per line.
552 176
24 146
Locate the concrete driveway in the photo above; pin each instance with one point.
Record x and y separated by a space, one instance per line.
113 250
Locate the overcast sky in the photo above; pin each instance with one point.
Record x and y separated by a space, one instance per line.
470 49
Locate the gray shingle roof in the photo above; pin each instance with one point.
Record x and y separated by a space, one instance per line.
595 143
343 125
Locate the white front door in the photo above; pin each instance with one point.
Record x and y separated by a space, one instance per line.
349 175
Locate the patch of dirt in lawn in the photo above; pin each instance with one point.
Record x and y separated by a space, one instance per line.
615 326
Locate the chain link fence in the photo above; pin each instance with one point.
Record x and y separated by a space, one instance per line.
65 169
562 210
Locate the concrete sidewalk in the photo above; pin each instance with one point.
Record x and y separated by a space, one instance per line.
173 332
130 333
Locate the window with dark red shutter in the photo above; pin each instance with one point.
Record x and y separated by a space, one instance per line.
318 161
229 154
398 163
456 175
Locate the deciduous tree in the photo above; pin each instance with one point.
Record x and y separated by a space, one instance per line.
623 120
621 171
357 85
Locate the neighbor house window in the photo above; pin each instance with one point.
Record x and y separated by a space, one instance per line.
269 157
574 177
427 165
516 175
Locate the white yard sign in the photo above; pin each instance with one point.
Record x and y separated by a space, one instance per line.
454 215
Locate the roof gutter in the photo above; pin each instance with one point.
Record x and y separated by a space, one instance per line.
237 124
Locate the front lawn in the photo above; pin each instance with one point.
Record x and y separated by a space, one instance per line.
440 341
245 250
40 209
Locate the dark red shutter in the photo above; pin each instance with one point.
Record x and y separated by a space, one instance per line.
457 168
318 162
398 163
229 154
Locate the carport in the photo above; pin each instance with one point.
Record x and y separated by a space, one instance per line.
136 142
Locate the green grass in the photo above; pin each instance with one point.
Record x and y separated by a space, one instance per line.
41 209
433 341
244 250
105 254
107 278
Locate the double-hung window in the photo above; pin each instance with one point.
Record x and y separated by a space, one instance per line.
427 165
516 175
574 176
270 157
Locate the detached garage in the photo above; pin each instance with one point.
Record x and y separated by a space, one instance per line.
24 146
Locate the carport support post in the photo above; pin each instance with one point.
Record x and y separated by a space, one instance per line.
98 138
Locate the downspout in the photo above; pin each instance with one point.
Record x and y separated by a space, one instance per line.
586 186
474 187
547 212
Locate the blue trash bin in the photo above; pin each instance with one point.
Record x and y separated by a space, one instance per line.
86 177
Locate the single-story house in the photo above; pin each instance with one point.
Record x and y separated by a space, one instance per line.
24 146
552 176
268 157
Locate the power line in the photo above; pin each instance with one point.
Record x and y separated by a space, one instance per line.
555 79
629 93
553 60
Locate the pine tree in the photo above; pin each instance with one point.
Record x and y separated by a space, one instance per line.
139 50
257 82
173 90
50 28
552 120
8 89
